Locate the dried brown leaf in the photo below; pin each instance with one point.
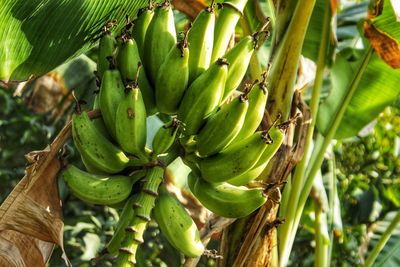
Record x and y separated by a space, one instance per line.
385 46
189 7
31 217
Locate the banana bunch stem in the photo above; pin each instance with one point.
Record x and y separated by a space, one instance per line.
138 224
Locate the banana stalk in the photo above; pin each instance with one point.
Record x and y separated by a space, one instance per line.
138 224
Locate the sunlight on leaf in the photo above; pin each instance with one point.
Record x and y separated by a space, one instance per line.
39 35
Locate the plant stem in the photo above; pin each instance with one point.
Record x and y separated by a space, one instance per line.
293 221
329 136
382 241
285 63
298 177
332 205
321 247
143 206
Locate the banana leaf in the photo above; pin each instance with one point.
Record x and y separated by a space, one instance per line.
38 35
378 88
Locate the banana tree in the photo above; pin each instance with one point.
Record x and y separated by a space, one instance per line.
332 69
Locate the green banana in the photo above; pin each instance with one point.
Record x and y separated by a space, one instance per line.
147 93
96 150
160 37
165 137
200 38
227 200
107 46
128 58
235 160
257 101
140 26
203 96
140 217
225 26
111 93
222 127
90 167
130 122
172 78
97 189
99 122
239 58
177 225
277 137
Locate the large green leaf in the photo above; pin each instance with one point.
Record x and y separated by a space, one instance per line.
38 35
378 88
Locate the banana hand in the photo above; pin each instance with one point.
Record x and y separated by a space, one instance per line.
202 97
222 127
235 160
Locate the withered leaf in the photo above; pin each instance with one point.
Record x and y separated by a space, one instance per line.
386 47
31 217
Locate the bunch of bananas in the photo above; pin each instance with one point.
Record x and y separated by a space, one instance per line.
143 70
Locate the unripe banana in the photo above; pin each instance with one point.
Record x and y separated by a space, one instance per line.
99 122
141 217
222 127
255 113
130 122
172 78
140 26
165 137
128 58
227 200
90 167
277 137
147 93
225 26
177 225
202 97
96 150
111 93
160 37
107 46
201 38
97 189
239 58
128 61
235 160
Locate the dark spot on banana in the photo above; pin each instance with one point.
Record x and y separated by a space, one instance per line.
131 114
